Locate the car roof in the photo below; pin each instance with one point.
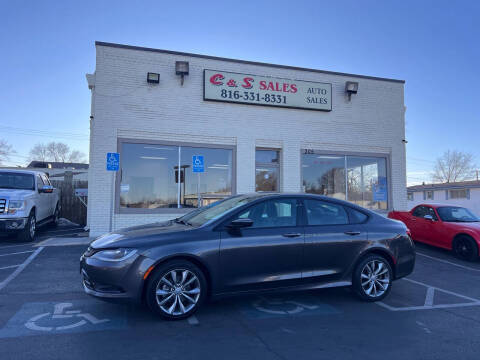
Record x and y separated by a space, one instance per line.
23 171
437 205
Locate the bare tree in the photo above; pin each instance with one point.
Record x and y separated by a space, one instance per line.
56 151
5 150
38 153
453 166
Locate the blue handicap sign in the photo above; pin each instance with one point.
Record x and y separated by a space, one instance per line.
380 190
75 316
198 164
113 161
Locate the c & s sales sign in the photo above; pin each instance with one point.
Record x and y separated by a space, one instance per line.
263 90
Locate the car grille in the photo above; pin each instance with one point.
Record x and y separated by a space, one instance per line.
3 205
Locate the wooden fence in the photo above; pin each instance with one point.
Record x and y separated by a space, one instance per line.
72 207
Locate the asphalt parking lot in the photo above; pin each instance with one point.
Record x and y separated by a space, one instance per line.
44 314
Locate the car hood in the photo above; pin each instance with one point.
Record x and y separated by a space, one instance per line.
15 194
138 236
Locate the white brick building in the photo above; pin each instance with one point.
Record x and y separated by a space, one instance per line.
156 126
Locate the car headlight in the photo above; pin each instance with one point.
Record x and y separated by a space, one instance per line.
120 254
16 205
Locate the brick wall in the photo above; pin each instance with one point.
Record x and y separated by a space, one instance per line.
124 105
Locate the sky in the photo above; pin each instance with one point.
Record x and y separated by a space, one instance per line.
47 47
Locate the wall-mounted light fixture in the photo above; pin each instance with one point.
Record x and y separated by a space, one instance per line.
153 78
181 68
351 87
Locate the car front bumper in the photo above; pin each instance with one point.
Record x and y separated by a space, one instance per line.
114 281
12 225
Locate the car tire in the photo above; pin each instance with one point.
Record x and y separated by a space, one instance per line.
28 233
372 278
465 248
176 289
56 216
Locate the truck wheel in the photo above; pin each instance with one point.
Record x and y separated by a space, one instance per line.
28 233
56 216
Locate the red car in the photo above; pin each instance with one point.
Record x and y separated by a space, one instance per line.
450 227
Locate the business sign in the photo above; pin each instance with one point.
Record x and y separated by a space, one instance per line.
113 161
198 164
380 190
263 90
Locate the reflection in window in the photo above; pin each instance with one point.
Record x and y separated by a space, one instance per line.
367 182
361 180
324 175
150 178
267 170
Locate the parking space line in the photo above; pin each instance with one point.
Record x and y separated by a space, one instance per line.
448 262
20 268
19 252
10 246
10 266
442 290
429 296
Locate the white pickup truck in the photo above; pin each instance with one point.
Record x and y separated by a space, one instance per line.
27 200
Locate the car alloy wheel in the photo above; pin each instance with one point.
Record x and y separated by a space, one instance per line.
375 278
176 289
178 292
465 248
372 278
32 227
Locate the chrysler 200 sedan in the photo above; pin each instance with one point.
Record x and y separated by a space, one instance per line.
247 243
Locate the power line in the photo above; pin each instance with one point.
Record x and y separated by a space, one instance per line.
46 133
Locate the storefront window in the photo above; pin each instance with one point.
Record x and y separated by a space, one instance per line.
367 182
358 179
324 175
267 170
149 177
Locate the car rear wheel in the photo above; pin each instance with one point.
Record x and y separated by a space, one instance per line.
28 233
176 290
372 278
465 248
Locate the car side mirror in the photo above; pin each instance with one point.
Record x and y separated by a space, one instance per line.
47 189
428 217
240 223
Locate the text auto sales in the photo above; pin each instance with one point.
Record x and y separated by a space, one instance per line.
253 89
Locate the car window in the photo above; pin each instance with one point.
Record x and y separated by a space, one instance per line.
357 217
421 211
271 213
39 181
325 213
456 214
45 179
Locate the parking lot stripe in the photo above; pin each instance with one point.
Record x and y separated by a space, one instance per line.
10 246
19 252
429 297
442 290
20 268
448 262
10 266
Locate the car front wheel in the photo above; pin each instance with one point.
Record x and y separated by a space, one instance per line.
372 278
176 290
28 233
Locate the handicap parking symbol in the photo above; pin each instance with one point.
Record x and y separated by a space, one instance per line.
63 317
264 307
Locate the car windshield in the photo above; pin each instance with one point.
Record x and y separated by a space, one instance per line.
12 180
456 214
214 211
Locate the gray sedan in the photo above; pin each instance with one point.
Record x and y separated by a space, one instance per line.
249 243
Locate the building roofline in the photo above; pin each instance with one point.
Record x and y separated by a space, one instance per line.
179 53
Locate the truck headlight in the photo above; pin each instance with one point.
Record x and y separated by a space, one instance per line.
16 205
120 254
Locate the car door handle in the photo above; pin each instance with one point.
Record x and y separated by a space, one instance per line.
292 235
352 233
